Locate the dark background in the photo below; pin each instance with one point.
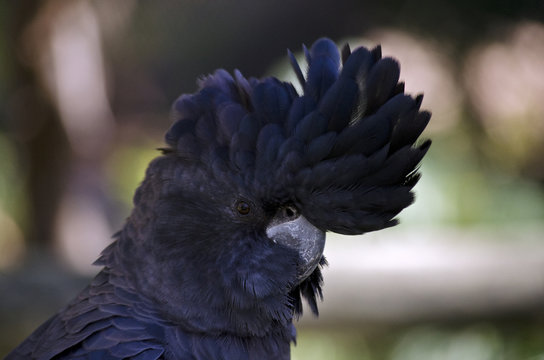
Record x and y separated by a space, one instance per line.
85 92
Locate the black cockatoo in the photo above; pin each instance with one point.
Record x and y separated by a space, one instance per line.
228 227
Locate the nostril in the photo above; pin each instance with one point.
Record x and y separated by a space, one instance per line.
290 212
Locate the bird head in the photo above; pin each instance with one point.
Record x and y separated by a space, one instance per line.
233 215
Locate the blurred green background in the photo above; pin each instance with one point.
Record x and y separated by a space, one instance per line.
85 93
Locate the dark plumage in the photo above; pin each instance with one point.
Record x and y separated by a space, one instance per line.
227 231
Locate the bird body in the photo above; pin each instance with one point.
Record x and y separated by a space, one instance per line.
111 320
228 227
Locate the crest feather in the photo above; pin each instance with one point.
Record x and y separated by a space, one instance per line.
344 151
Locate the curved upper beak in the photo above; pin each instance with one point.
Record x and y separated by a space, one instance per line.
300 235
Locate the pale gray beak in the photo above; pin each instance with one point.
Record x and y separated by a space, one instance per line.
292 230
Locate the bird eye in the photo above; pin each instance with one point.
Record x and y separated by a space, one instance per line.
243 208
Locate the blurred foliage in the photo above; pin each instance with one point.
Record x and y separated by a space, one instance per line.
457 189
126 170
153 53
475 341
12 196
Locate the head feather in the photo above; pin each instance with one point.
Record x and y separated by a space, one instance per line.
343 151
